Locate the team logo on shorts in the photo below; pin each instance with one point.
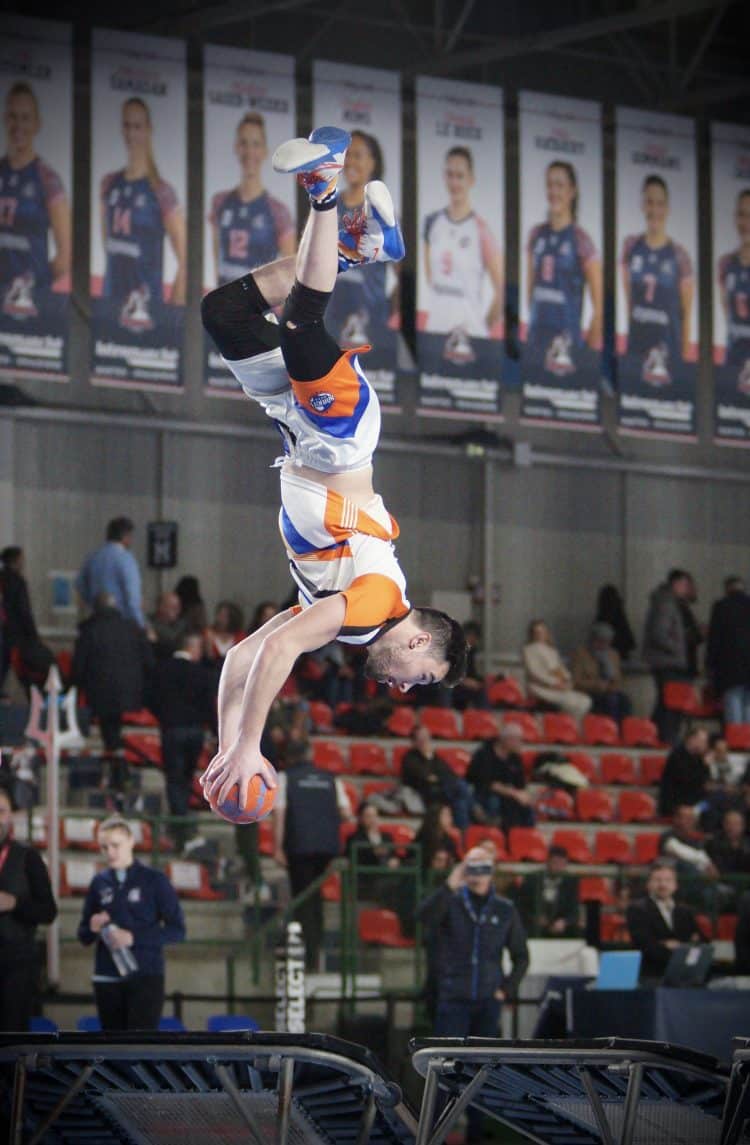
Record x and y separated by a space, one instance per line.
322 401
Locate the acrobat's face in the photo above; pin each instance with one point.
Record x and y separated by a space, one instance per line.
359 165
136 126
404 665
459 177
561 193
655 204
250 148
21 121
742 217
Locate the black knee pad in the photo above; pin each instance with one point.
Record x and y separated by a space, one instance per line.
233 316
304 306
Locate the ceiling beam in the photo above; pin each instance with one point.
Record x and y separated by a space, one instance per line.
202 18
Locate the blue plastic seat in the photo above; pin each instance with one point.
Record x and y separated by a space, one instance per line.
226 1023
41 1025
171 1024
89 1024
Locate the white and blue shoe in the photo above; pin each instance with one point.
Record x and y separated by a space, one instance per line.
371 233
317 162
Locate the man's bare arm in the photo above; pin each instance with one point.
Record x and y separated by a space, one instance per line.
237 665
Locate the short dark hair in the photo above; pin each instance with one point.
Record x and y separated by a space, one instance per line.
118 528
461 152
556 850
663 864
655 181
676 574
734 584
10 554
448 641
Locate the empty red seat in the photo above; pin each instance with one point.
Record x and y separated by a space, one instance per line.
652 767
599 729
585 763
726 927
574 843
637 807
76 874
330 889
613 928
383 928
553 803
527 723
455 835
479 724
478 833
594 805
190 880
329 756
680 696
142 749
457 758
594 888
352 794
375 787
637 732
738 736
559 727
401 722
345 830
506 693
617 767
612 847
528 759
79 834
527 844
369 758
443 723
321 716
398 751
705 925
646 847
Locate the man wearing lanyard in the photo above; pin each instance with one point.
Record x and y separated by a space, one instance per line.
25 901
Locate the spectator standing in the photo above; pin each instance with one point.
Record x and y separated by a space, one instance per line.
597 671
310 806
19 627
112 569
183 699
469 926
686 774
129 907
728 651
695 633
658 924
665 645
610 609
547 677
225 632
423 770
26 901
111 659
192 606
548 899
497 777
470 692
166 626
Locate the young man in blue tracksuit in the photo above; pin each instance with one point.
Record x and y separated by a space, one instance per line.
141 907
468 926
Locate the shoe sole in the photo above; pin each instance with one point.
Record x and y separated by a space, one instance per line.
298 155
379 198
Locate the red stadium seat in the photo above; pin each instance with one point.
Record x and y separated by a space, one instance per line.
554 803
617 767
599 729
506 693
329 756
612 847
399 833
585 763
321 716
457 758
383 928
726 927
142 749
638 732
594 888
528 759
574 844
76 875
330 890
79 834
681 697
443 723
705 925
594 806
738 736
479 724
652 767
265 837
527 844
455 835
646 847
190 880
477 834
369 758
637 807
402 722
374 787
352 794
345 830
558 727
398 751
613 928
143 718
527 723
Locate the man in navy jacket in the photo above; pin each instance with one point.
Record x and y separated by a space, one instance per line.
143 908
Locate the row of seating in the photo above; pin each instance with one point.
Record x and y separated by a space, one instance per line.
190 879
90 1024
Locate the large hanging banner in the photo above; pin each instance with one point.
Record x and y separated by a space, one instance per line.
562 291
657 250
730 182
138 195
460 282
36 94
248 110
365 307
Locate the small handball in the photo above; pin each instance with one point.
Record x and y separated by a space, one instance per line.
260 801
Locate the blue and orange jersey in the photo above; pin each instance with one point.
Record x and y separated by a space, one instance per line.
135 214
249 233
734 279
560 258
656 276
26 196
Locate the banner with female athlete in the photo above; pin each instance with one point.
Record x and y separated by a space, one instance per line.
460 281
365 306
138 196
561 283
36 94
730 183
657 253
250 211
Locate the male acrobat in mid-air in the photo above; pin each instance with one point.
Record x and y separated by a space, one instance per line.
337 532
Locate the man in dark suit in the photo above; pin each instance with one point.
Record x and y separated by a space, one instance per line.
728 650
658 924
548 899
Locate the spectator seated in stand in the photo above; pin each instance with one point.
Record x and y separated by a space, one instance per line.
684 844
729 848
497 776
166 627
686 774
373 849
724 791
548 899
437 834
658 924
226 631
597 671
547 678
432 779
330 675
471 691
